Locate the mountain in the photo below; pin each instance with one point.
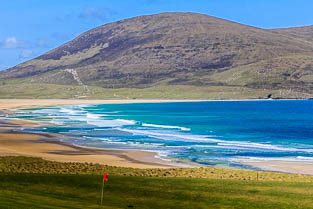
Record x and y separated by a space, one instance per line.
305 33
175 52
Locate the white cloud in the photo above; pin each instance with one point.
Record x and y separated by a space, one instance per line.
10 43
14 43
26 53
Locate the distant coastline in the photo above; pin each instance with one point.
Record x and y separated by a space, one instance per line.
6 104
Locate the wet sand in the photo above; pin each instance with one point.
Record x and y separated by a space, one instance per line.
53 149
49 147
284 166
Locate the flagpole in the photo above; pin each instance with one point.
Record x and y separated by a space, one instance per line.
102 190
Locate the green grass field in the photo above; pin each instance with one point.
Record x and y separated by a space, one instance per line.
24 89
84 191
36 183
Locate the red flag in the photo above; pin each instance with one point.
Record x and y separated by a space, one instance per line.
105 178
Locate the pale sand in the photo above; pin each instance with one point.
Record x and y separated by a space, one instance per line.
17 144
20 103
284 166
48 147
21 144
33 145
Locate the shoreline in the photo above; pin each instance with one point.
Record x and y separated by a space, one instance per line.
291 167
7 104
37 145
50 147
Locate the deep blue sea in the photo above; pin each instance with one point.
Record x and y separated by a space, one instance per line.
221 133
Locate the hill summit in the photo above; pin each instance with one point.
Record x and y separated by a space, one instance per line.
176 50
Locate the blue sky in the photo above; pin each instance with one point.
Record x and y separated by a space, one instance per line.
29 28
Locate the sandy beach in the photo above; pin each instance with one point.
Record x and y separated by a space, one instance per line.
34 145
51 148
6 104
48 147
284 166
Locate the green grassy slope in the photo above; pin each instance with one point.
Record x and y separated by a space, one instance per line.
83 191
40 166
25 90
35 183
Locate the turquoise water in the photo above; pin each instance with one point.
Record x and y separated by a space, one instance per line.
209 133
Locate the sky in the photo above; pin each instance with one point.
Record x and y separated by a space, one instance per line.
29 28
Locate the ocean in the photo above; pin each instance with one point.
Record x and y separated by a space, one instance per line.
221 133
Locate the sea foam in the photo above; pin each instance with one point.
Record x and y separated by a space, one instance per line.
165 126
237 137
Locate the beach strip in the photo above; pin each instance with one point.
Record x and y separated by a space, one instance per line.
49 147
295 167
6 104
38 146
